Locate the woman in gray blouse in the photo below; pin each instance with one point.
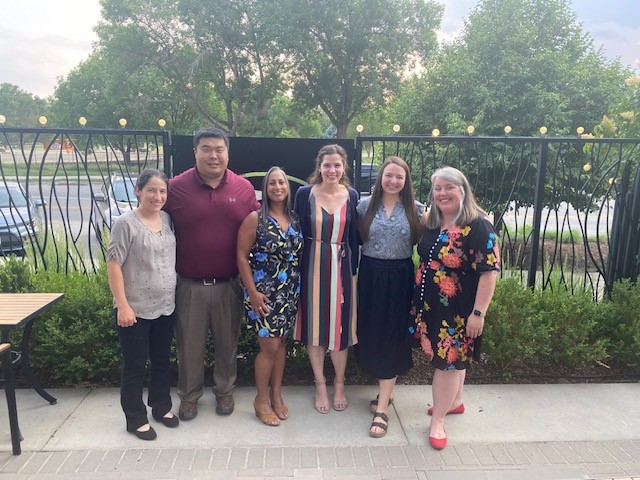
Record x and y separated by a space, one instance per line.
391 223
142 277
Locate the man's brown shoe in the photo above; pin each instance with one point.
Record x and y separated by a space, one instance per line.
188 410
225 405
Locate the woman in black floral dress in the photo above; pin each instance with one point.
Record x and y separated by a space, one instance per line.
454 286
269 249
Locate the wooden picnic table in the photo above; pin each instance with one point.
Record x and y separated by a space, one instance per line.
18 310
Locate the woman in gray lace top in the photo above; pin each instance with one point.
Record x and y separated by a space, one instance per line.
142 277
391 223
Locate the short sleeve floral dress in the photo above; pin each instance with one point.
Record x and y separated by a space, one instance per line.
446 284
275 263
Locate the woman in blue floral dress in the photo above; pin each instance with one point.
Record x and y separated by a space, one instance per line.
269 248
454 286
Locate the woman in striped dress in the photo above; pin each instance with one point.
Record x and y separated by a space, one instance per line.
327 312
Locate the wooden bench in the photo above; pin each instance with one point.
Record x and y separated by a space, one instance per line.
10 392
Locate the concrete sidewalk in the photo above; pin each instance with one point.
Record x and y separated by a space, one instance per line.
507 432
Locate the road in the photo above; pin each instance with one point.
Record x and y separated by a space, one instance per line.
565 218
72 210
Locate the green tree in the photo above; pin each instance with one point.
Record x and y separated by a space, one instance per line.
349 56
229 62
378 120
287 120
523 63
20 108
85 93
218 53
107 87
624 117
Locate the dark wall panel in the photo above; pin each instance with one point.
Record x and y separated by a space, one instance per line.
254 156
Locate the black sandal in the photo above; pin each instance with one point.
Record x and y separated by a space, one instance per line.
373 404
383 426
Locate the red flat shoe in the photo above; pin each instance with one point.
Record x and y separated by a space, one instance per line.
453 411
438 443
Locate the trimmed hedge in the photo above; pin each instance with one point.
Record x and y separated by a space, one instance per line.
75 342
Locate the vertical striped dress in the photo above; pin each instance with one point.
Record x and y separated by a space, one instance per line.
327 313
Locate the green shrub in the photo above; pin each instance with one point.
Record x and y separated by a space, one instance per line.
15 275
571 320
515 333
76 341
620 324
566 236
248 343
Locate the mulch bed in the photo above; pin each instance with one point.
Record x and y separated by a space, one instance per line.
298 373
571 256
479 374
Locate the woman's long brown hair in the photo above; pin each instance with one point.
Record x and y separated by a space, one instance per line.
316 178
407 197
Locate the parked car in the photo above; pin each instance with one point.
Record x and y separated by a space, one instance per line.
19 218
115 198
368 175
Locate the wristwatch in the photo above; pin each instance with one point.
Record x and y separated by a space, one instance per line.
478 313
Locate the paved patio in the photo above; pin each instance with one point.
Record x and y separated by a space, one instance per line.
508 432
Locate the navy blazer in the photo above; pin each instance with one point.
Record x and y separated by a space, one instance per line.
301 205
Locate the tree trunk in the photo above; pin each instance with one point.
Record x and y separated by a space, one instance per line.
342 130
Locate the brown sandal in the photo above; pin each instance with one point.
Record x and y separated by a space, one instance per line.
281 411
268 418
380 425
373 404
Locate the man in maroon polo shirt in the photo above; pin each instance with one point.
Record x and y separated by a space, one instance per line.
207 204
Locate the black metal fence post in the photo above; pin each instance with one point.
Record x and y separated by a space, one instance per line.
634 231
166 155
538 204
357 167
622 254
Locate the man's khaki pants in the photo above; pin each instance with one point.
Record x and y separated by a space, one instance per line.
200 308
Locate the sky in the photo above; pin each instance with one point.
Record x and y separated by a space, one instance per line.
42 40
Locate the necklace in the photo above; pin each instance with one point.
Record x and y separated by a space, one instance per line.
423 280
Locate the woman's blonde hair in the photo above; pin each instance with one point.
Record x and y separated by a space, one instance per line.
468 210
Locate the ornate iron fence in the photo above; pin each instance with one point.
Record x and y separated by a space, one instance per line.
551 199
567 209
61 189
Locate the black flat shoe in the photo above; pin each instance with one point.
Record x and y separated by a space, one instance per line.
146 435
171 422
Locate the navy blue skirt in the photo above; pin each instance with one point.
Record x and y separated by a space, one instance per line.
385 288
